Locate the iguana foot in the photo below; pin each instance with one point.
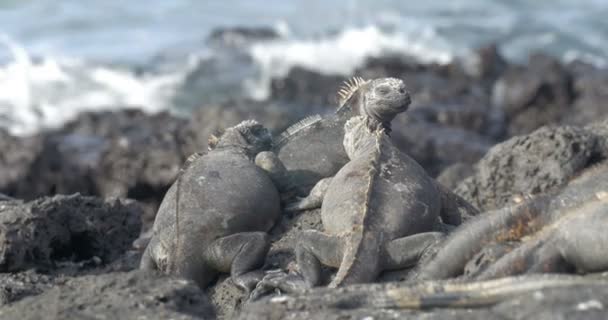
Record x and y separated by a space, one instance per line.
281 281
313 200
248 281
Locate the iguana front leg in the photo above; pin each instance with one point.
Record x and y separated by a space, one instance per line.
314 200
454 209
271 163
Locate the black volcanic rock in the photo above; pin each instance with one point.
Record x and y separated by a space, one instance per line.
65 228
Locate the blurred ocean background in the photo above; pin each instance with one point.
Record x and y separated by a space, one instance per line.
62 57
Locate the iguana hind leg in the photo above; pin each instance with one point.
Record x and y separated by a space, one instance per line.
239 254
147 262
313 249
405 252
313 200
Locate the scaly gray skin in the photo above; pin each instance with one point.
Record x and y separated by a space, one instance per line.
226 205
552 233
429 294
312 148
378 213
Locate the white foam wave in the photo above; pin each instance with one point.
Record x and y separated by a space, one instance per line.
51 91
340 54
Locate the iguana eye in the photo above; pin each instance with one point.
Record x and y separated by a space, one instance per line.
383 90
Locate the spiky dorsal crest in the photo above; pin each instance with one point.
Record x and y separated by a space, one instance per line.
214 139
348 89
295 128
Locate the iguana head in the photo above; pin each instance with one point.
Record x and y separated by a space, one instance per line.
380 99
360 133
249 135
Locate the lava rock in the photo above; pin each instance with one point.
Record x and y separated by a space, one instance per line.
17 155
454 174
530 164
436 147
307 88
65 228
484 63
16 286
131 295
533 96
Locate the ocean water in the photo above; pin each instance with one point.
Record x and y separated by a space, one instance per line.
62 57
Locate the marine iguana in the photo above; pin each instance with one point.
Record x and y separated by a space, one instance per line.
378 213
549 233
311 149
423 295
214 218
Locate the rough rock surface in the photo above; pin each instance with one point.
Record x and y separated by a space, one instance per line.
65 228
528 164
129 295
16 158
533 96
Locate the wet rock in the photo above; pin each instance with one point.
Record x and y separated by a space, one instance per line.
46 231
132 295
535 95
484 63
530 164
16 156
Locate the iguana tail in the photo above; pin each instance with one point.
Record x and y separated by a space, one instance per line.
441 294
360 262
178 185
509 223
464 295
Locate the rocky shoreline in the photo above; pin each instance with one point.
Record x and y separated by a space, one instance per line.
493 132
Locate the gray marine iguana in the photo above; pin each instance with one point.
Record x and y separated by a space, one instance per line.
214 218
419 296
378 213
561 232
311 149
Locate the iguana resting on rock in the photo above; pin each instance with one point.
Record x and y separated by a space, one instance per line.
214 218
549 233
312 148
417 296
378 213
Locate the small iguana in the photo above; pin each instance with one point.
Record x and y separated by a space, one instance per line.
214 218
557 232
378 213
311 149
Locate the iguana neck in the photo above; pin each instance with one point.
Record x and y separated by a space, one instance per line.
366 143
